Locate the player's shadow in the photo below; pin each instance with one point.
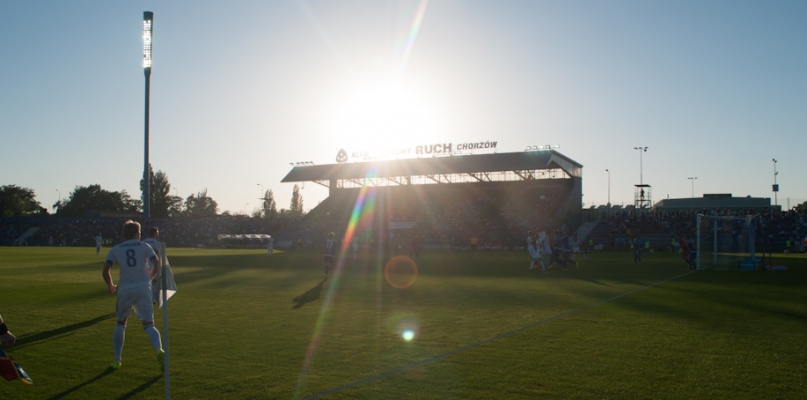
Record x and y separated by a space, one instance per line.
309 296
35 338
81 385
140 388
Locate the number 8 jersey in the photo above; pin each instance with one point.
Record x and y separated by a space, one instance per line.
132 256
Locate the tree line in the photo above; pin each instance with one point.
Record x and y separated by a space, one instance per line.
18 201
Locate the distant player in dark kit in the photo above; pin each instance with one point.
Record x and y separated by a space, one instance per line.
561 249
692 259
413 247
330 252
638 246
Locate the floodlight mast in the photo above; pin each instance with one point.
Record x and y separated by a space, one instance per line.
775 185
148 23
641 150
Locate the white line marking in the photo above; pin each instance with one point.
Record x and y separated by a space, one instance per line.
488 340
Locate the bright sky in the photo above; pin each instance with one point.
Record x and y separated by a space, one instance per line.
240 89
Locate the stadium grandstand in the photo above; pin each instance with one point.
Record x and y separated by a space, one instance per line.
444 201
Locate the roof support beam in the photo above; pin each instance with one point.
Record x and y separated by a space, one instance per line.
475 177
396 180
432 178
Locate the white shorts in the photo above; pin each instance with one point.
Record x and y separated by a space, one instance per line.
138 297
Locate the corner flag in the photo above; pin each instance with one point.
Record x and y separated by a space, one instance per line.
170 284
10 370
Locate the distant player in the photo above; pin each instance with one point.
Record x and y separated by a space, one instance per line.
156 283
270 246
543 249
638 246
561 249
692 258
576 249
473 244
534 251
152 240
134 288
329 252
805 247
682 243
355 245
413 247
98 242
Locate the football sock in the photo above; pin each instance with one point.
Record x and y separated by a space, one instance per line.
154 336
117 340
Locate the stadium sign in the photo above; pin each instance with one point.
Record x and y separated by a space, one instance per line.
419 150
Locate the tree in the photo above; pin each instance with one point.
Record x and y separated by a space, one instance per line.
269 205
94 198
17 201
200 205
162 203
175 209
296 201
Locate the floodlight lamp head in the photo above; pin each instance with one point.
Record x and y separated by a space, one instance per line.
148 22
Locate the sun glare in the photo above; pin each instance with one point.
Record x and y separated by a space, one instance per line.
381 116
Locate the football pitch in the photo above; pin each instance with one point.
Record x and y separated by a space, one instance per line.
244 325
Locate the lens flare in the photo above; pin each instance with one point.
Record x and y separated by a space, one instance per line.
400 272
408 335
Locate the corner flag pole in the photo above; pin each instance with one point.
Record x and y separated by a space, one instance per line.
167 372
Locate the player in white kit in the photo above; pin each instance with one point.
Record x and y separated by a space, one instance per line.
134 288
531 250
156 282
98 242
270 248
536 252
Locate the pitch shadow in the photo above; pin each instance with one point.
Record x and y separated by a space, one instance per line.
309 296
81 385
28 340
140 388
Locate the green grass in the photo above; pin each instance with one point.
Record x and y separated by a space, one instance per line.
248 326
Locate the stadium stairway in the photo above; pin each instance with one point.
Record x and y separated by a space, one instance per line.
28 233
584 229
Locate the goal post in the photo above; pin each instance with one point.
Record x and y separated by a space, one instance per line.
725 242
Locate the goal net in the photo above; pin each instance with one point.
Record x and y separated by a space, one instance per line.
723 242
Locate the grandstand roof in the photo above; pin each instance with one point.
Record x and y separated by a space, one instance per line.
457 164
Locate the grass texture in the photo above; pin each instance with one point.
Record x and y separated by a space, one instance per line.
244 325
